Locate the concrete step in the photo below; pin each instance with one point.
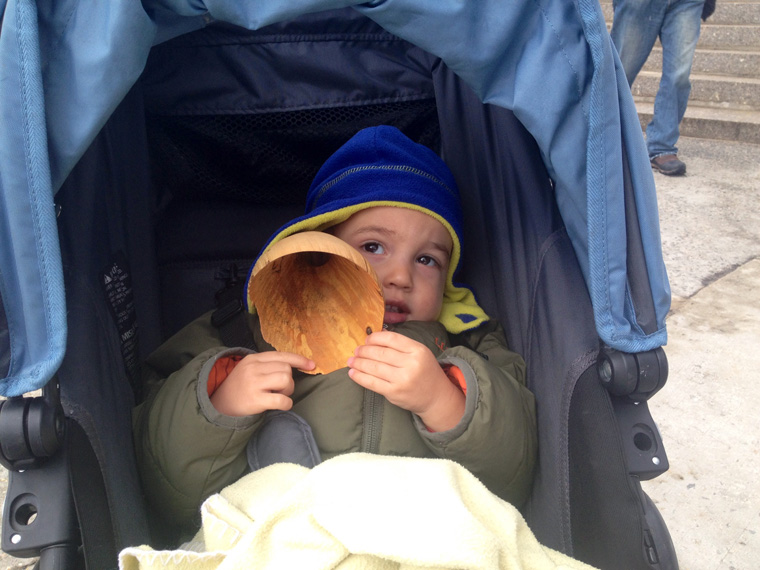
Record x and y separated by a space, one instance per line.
711 122
729 36
735 13
725 96
726 36
714 62
741 93
742 12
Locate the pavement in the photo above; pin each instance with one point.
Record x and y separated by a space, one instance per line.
708 411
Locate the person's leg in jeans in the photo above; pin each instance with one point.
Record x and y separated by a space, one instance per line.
679 35
635 27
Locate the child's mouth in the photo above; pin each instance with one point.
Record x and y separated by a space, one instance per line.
395 313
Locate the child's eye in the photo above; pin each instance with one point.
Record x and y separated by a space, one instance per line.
373 247
427 260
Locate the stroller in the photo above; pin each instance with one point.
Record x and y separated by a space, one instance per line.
147 151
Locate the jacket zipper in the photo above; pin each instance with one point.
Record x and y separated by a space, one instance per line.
373 421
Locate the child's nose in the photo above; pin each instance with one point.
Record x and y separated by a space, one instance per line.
398 274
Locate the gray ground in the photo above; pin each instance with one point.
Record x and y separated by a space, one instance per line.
707 412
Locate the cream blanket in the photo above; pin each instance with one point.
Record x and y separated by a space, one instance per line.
357 511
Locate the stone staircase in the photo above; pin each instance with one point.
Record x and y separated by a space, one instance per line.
725 78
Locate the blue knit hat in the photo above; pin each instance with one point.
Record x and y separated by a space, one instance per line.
380 166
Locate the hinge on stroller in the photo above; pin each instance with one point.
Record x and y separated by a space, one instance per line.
39 518
31 429
631 380
637 376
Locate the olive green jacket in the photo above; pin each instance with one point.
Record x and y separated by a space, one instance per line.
188 451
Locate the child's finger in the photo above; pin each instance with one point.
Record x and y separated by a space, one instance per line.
373 367
368 381
278 382
291 359
379 353
276 401
391 340
274 373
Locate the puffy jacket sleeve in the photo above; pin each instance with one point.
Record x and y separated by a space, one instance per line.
497 437
186 449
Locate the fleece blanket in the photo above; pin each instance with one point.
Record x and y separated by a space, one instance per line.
357 511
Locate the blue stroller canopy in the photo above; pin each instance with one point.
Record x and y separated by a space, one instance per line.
65 65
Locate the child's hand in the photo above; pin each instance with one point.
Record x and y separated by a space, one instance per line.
408 374
259 382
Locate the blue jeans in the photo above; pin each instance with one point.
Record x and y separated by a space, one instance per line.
635 28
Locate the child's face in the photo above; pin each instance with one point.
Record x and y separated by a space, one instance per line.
410 253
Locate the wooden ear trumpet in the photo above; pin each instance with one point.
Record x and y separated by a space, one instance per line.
316 296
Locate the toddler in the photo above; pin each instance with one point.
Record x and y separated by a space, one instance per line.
438 381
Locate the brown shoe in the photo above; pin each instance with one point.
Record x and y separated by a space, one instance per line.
668 164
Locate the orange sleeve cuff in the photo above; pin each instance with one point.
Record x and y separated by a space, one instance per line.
220 371
456 376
